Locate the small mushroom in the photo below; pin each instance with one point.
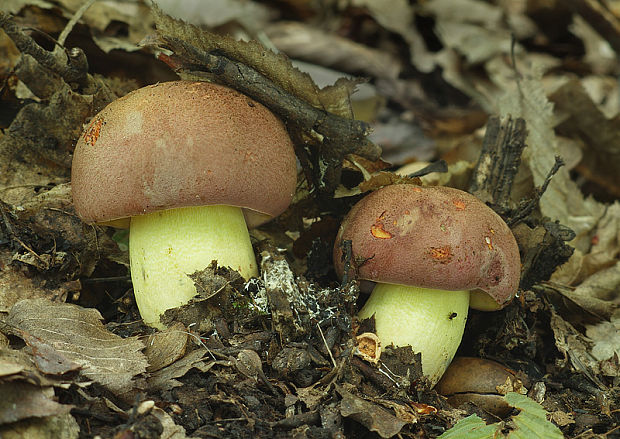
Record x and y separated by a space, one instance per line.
185 165
427 248
481 382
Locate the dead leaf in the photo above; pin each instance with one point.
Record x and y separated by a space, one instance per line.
606 339
563 200
57 427
370 415
78 334
22 400
575 349
165 378
308 43
47 359
165 347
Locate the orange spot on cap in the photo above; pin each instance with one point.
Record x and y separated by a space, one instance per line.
443 255
379 232
460 204
489 243
92 132
416 189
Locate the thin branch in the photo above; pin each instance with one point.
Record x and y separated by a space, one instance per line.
75 69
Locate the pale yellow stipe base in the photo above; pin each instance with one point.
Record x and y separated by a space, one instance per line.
430 321
481 301
166 246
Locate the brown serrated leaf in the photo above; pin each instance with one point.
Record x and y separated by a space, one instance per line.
78 334
372 416
21 400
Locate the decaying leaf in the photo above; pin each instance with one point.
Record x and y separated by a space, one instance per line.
582 119
21 400
78 334
371 416
562 200
165 377
166 346
57 427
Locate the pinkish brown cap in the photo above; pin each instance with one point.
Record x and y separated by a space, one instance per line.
431 237
178 144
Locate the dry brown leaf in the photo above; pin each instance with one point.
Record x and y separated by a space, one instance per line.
165 347
56 427
606 339
134 16
370 415
21 400
15 285
309 43
563 200
165 378
582 119
575 348
398 16
602 285
47 359
250 15
78 334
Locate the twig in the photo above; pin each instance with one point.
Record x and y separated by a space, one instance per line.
528 206
329 351
73 21
73 69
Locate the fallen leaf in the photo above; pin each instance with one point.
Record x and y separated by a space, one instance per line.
78 334
563 200
165 347
372 416
56 427
22 400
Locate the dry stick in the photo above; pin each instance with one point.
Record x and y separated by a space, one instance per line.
499 161
75 70
73 21
339 136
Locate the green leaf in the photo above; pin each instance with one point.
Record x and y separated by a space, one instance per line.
531 422
471 427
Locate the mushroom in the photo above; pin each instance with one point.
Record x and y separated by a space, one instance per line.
481 382
427 248
185 165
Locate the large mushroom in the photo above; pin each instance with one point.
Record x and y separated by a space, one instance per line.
427 248
185 165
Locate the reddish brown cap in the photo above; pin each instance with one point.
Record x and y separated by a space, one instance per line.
431 237
179 144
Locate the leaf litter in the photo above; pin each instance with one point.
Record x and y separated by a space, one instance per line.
274 357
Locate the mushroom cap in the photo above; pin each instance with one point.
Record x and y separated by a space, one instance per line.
179 144
431 237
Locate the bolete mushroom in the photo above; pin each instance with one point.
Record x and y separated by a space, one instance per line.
427 248
481 382
185 165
